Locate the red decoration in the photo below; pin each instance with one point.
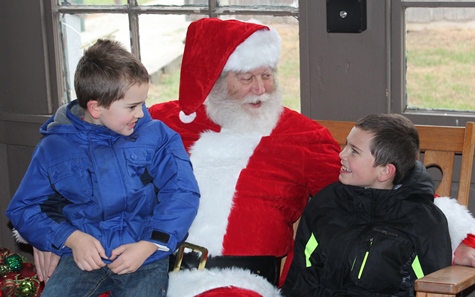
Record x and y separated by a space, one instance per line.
21 282
18 277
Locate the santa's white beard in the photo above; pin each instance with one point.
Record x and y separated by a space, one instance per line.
235 115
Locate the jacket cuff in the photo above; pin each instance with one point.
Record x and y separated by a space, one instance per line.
469 240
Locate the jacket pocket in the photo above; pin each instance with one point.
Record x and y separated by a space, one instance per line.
139 180
136 164
71 179
382 260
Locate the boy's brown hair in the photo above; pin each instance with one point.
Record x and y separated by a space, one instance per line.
395 141
105 72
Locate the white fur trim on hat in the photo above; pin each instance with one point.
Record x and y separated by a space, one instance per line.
262 48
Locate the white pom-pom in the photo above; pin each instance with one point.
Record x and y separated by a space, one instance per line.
187 118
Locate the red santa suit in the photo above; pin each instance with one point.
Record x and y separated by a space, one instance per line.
253 186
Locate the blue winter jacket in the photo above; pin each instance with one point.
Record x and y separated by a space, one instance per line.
119 189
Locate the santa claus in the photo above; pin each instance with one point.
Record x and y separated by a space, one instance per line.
256 162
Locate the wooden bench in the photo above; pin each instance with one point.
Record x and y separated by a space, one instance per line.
439 145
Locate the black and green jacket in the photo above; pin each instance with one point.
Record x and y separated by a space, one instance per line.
353 241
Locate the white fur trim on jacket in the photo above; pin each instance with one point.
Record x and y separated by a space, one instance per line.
18 237
461 221
189 283
218 159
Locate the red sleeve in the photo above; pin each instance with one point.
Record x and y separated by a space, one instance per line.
469 240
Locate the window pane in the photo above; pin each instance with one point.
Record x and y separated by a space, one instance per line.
440 52
81 31
162 40
162 37
173 2
93 2
293 3
162 51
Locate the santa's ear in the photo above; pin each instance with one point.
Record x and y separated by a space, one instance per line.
94 109
387 172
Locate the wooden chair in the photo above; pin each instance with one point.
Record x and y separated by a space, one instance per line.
439 144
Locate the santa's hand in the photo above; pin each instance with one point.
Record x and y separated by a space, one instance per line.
87 251
45 263
464 255
128 258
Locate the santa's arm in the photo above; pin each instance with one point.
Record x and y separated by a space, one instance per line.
461 228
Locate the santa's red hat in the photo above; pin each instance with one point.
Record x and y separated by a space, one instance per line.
213 45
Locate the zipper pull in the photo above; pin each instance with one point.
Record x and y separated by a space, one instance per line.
365 257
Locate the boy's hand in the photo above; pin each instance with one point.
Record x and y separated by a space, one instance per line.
132 256
87 251
45 263
464 255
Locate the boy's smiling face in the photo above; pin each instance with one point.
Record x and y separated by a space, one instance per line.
122 115
358 162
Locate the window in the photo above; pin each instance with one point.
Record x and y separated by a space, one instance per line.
434 59
155 30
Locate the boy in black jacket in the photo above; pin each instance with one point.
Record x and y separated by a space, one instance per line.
376 230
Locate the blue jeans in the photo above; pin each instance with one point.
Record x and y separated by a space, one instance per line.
68 280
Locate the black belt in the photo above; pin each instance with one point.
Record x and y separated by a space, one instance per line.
265 266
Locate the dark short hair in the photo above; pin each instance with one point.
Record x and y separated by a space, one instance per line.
395 141
105 72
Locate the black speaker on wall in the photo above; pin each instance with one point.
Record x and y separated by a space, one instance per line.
346 16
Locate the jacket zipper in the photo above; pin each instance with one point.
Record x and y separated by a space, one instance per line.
365 258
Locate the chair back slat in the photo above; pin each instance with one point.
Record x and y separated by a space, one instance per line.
444 161
467 164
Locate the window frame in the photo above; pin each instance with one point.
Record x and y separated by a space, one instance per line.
397 72
132 9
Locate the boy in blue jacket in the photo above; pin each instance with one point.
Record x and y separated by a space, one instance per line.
108 189
376 230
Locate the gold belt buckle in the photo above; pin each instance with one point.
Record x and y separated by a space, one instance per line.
193 247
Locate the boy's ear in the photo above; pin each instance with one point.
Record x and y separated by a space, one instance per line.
94 109
387 172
